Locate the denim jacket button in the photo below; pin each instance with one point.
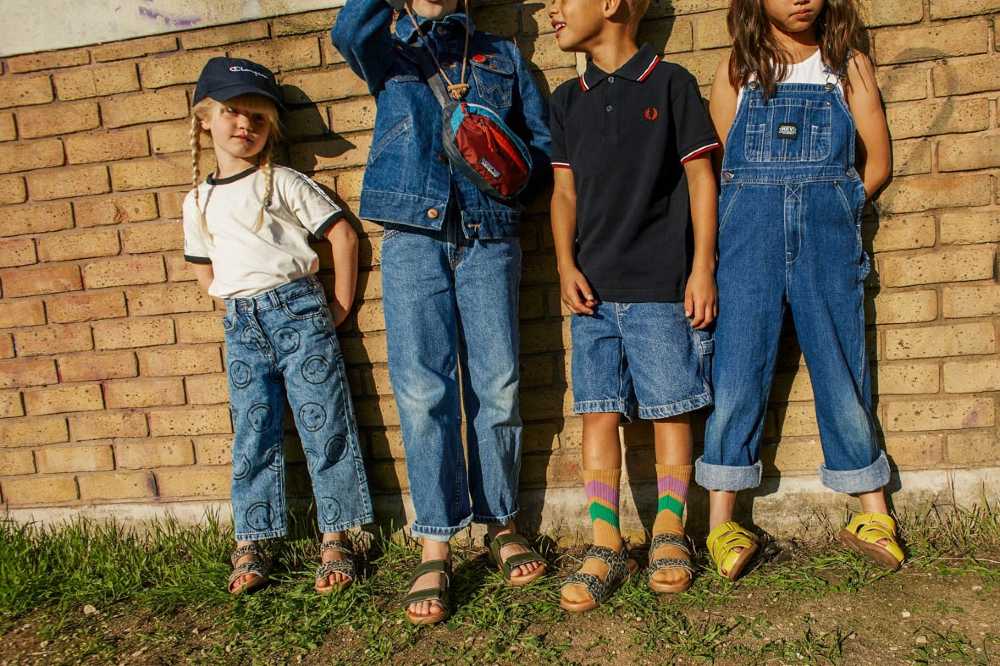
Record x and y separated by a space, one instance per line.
441 157
432 213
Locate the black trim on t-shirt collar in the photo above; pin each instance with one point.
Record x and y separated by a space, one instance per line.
638 68
212 180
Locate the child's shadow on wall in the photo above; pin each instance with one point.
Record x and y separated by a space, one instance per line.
312 143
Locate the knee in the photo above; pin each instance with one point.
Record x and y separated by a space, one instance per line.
602 421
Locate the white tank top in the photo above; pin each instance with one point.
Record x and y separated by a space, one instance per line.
810 70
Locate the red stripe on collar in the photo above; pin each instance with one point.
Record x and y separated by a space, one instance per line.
649 70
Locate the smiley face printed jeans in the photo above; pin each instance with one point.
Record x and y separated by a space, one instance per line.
279 344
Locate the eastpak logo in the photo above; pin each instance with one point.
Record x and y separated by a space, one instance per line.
788 130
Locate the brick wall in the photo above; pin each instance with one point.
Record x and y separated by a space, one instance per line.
111 380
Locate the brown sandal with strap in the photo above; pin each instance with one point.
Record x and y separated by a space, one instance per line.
508 564
345 567
678 541
257 568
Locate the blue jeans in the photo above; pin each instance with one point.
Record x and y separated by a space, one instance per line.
640 359
279 344
451 306
790 236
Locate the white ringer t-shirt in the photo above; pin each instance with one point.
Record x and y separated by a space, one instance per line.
245 262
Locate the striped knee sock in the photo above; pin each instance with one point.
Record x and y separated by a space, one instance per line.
672 485
601 486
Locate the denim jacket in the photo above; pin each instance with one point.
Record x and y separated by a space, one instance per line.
408 179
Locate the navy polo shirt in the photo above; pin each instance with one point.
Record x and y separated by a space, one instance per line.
626 137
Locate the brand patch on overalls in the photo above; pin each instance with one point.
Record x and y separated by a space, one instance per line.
788 130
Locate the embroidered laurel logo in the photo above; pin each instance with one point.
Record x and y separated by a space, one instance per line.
650 113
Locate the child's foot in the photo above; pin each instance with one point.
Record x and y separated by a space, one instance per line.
430 610
514 549
874 535
336 570
731 548
250 566
670 567
603 571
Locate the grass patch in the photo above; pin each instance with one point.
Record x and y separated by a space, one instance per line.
86 592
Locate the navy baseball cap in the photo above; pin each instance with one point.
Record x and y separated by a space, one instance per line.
225 78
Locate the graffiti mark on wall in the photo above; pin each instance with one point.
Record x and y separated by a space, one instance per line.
149 11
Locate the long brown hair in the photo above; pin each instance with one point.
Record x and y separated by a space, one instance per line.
840 33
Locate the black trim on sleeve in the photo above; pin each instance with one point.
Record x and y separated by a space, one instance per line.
197 260
320 232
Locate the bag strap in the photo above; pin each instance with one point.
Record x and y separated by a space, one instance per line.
455 91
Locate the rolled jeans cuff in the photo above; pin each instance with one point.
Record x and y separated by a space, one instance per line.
727 477
855 481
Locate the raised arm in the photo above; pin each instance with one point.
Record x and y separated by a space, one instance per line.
361 34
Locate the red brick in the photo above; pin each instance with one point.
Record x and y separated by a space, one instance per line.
117 485
158 452
33 62
18 252
145 107
96 366
16 462
81 245
134 48
189 421
176 361
10 404
97 81
85 458
50 120
153 237
107 424
124 271
12 190
85 306
144 392
27 372
35 219
53 339
207 389
61 399
45 280
15 314
194 482
129 333
24 90
107 146
39 490
115 210
33 430
68 182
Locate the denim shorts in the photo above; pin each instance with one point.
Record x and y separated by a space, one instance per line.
640 359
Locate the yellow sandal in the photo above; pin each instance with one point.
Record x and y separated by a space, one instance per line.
722 544
863 533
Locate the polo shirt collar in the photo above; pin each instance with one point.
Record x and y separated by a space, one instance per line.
638 68
452 22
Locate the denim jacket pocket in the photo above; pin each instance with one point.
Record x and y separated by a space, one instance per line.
386 140
494 77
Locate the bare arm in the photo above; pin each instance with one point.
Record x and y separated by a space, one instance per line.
204 274
701 297
722 107
874 156
344 240
574 288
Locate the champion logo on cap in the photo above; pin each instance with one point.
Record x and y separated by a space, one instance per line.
237 68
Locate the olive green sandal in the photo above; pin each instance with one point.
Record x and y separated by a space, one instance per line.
620 567
723 543
507 566
678 541
344 567
863 533
256 567
438 595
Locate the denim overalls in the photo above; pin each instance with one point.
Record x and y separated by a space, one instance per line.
790 235
281 344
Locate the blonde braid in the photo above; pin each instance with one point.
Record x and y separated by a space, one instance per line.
195 137
268 169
